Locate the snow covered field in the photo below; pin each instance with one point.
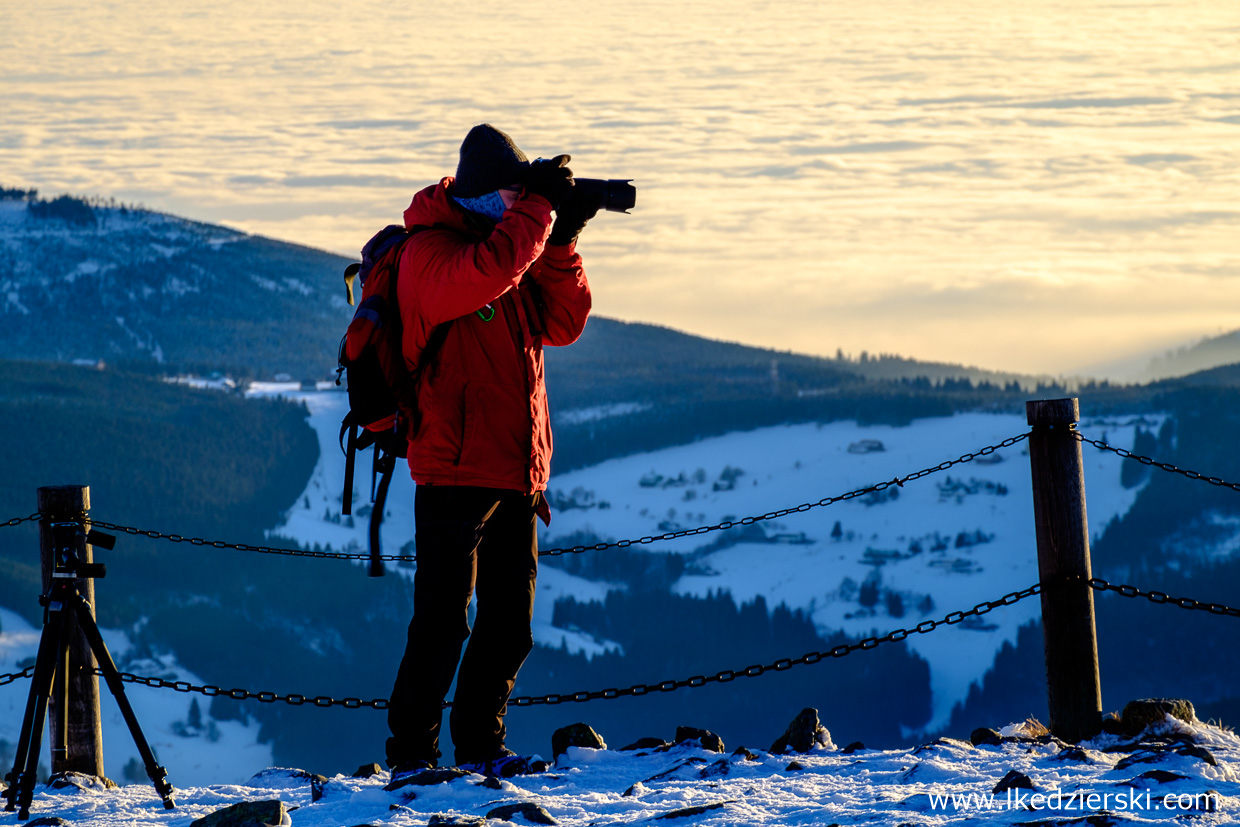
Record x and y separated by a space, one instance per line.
1179 773
945 542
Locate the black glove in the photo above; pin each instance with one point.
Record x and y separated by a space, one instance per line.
571 218
551 179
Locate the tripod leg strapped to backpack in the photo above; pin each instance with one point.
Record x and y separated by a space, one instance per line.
387 447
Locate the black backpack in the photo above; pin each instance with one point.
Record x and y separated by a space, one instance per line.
379 381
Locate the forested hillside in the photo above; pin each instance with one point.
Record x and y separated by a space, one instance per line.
155 455
875 696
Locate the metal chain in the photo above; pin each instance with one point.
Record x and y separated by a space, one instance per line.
783 512
1165 466
654 538
636 690
782 664
244 694
1098 584
898 481
28 672
19 520
198 541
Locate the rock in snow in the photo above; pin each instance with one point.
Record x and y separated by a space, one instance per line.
575 735
1140 714
528 810
803 734
705 737
248 814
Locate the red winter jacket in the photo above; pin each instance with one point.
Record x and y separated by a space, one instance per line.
482 400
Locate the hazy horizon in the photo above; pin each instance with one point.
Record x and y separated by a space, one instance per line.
1038 187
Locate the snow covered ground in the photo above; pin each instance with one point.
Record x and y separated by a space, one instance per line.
945 542
1178 773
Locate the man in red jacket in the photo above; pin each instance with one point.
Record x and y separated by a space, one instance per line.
493 278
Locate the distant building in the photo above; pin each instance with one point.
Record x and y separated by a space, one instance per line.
866 446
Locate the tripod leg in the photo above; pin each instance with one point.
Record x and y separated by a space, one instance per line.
157 774
23 739
30 742
60 689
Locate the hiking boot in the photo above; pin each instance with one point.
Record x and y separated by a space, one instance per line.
505 765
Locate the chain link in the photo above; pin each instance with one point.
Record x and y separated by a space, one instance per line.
198 541
211 691
28 672
782 664
19 520
647 540
1098 584
783 512
637 690
1165 466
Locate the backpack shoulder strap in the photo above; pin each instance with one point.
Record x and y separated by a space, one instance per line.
434 342
384 456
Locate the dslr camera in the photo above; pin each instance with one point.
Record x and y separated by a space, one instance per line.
613 195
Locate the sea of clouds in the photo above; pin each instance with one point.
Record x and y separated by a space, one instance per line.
1040 185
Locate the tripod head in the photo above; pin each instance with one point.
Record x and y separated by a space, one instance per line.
69 547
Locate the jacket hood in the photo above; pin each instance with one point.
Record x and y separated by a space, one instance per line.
434 205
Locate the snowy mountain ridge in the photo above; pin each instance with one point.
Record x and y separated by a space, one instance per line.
124 284
128 285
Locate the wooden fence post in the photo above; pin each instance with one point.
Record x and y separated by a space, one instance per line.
73 712
1074 692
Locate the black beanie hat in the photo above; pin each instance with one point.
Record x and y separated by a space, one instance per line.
489 160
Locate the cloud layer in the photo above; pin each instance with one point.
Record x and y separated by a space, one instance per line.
1030 186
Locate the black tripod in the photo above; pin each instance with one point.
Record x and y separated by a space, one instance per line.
64 601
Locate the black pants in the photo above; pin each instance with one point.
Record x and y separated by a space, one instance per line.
467 539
